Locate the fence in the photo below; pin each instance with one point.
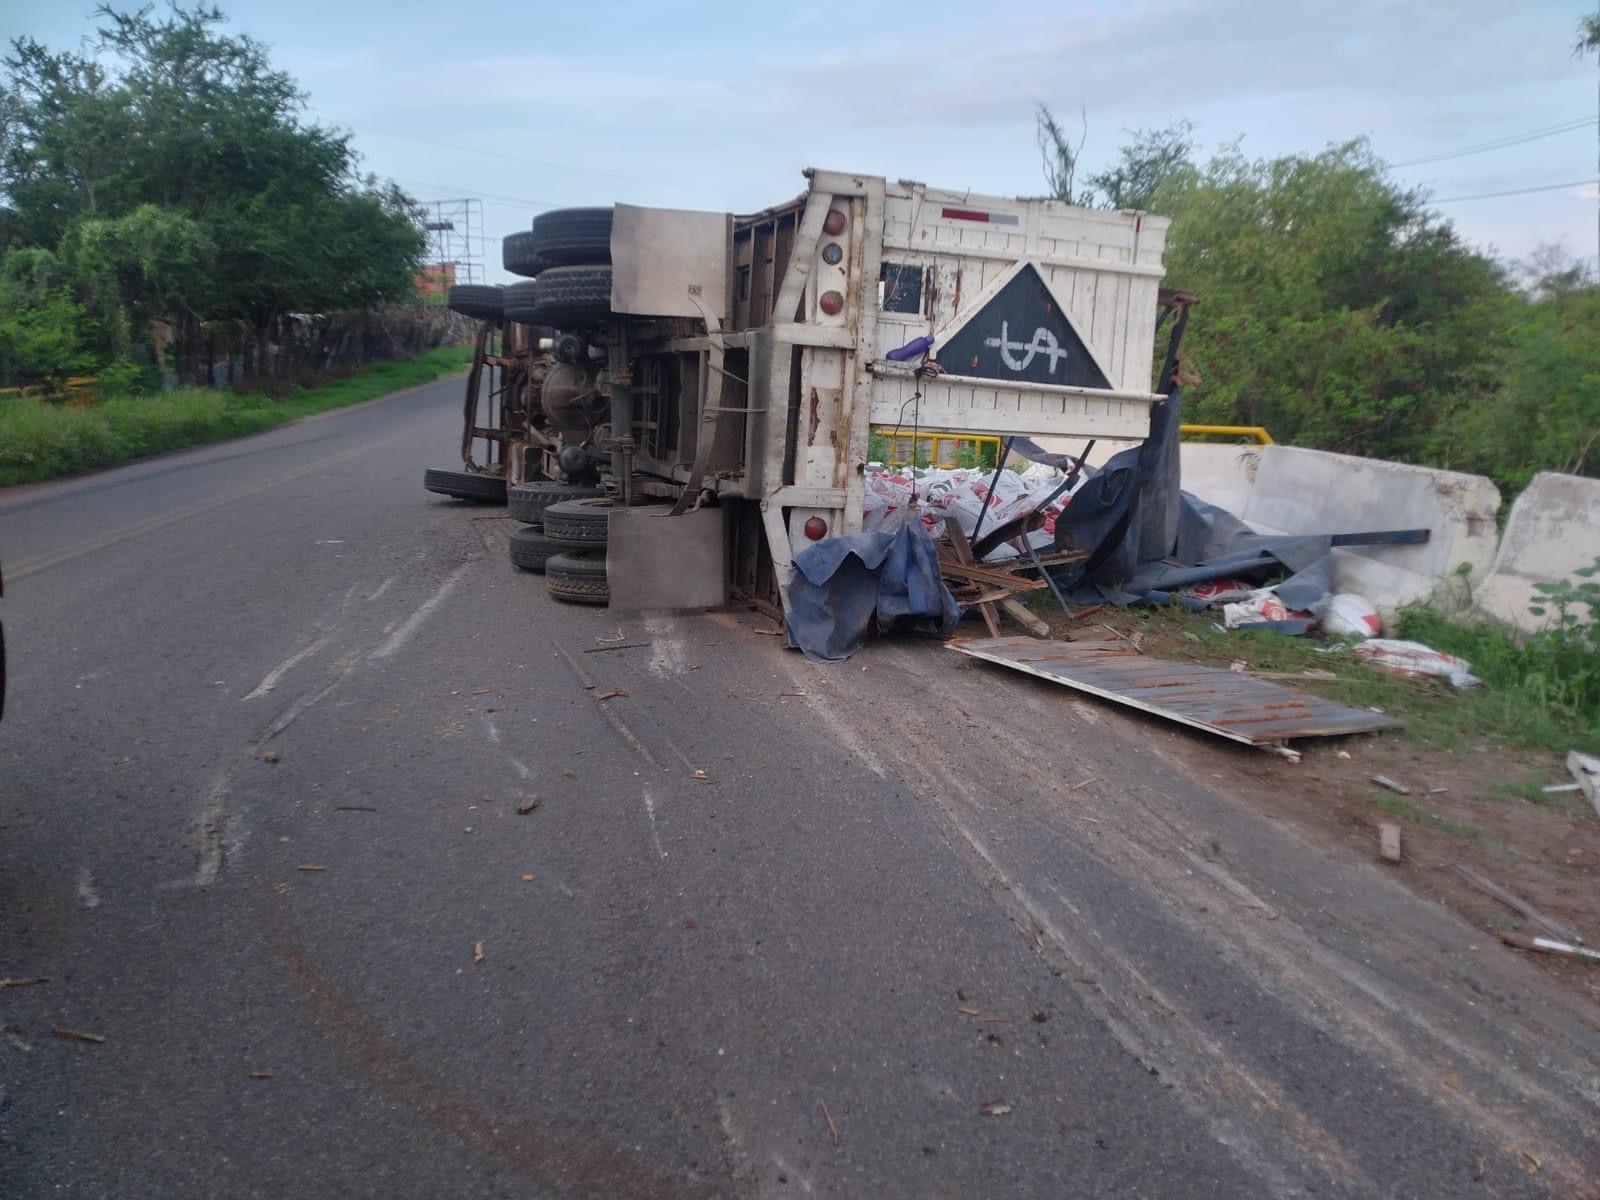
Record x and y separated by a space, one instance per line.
299 346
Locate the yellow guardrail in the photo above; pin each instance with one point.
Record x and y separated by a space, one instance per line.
1260 435
936 448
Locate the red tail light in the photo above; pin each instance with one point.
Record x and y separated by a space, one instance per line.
816 529
831 303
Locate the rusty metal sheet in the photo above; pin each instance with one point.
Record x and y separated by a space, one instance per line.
1226 703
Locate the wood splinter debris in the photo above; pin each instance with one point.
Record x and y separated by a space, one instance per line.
1393 785
76 1035
260 1074
26 981
994 1108
477 952
612 695
833 1130
699 775
311 867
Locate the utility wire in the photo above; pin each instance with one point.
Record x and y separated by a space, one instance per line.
1510 140
1549 187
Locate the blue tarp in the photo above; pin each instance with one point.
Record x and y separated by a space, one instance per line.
840 583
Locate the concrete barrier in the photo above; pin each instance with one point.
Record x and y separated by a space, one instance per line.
1313 491
1553 529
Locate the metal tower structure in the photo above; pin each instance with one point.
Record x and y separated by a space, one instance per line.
455 239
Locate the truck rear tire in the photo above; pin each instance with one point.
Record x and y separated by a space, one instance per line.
478 300
517 302
579 524
530 548
568 297
578 577
565 237
464 485
527 501
517 254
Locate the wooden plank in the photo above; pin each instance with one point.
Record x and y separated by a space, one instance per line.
963 550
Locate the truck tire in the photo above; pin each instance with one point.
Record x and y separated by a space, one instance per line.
530 548
579 524
527 501
572 296
518 300
578 577
478 300
565 237
518 256
464 485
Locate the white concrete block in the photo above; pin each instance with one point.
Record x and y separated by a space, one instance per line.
1552 530
1313 491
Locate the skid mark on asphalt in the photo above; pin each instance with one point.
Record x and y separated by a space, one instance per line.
271 678
650 811
216 829
612 718
408 628
88 894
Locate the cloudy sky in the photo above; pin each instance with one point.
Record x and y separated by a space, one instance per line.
719 105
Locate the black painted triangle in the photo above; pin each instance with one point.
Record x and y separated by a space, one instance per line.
1021 334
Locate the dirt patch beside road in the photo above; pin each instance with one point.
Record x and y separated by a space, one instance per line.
1471 799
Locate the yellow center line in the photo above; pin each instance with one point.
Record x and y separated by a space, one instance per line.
43 562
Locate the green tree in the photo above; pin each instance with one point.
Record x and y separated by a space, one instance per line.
171 166
1058 157
40 323
1334 308
1150 160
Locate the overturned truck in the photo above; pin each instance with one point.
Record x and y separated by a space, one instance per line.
680 402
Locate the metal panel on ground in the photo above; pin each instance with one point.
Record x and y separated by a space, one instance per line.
1239 707
658 561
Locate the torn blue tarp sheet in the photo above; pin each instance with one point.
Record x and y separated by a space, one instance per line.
1146 539
841 583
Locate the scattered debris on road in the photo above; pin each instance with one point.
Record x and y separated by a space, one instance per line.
260 1074
25 981
76 1035
268 756
1585 770
527 877
1515 902
1550 946
311 867
618 646
1393 785
477 952
833 1130
994 1108
1389 842
527 804
612 695
699 776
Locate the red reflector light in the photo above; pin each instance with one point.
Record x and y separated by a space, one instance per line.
816 529
834 223
831 303
964 214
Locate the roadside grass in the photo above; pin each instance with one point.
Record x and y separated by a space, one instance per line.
1406 811
44 439
1527 699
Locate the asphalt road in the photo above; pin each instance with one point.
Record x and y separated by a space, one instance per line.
924 929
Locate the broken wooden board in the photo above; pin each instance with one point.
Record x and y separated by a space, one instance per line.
1228 704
